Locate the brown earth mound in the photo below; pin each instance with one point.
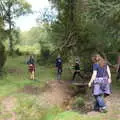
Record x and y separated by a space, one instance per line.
58 93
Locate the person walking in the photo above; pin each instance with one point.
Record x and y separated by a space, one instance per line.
77 70
100 83
31 67
59 67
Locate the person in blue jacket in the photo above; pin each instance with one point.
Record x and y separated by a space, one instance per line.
59 67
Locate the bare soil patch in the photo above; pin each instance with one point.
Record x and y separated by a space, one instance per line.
8 105
15 70
29 89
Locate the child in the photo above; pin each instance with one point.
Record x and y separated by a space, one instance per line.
59 67
77 70
31 67
101 80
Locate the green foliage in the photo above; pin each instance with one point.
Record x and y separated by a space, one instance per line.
84 27
31 37
17 52
9 10
35 41
79 102
44 56
47 16
27 49
2 48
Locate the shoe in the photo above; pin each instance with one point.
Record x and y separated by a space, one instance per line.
103 110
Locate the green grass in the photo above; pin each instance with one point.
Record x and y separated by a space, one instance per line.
70 115
11 82
15 78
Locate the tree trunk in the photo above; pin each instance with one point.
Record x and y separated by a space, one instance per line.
10 43
72 11
10 31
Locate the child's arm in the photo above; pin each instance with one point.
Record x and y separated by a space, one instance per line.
92 78
109 74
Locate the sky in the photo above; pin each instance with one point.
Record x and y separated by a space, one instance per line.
29 21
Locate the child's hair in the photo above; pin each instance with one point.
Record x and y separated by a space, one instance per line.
31 56
101 60
93 57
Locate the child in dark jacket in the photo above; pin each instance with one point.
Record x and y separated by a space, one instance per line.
77 70
59 67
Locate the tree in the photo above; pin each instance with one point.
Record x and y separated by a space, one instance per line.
83 26
46 16
2 48
11 9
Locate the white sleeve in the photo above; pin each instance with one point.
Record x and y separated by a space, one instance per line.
108 70
93 76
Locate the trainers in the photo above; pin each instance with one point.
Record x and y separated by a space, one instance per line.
103 110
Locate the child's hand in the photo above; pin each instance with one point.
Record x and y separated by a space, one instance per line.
89 84
109 81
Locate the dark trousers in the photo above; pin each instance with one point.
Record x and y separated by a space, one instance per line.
75 73
59 73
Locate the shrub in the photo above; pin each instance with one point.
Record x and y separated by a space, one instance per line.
79 102
44 56
18 52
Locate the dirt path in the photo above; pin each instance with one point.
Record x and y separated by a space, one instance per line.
8 105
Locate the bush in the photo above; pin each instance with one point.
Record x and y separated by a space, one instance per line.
18 52
44 57
79 102
2 56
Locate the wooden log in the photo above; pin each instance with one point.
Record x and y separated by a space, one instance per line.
80 84
81 87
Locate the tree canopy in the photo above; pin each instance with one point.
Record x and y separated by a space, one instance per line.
9 10
84 27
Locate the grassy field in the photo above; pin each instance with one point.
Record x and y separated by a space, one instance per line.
16 76
29 105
